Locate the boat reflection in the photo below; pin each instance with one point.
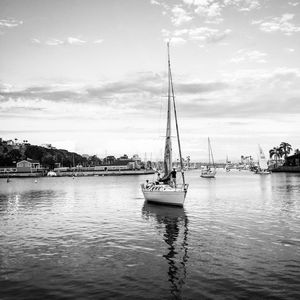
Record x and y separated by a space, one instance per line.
174 223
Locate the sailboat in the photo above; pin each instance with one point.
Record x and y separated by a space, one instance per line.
165 191
262 163
210 170
227 165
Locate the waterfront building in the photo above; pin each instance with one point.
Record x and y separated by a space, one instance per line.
48 146
10 143
8 169
29 165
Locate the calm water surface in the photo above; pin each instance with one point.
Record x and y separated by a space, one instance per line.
238 237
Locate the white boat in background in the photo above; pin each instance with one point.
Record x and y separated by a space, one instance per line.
210 170
164 191
262 163
227 165
51 174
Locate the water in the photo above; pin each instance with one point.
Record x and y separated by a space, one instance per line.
238 237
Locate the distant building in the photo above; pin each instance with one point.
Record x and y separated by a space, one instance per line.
29 165
10 142
137 161
109 160
8 169
48 146
124 157
136 157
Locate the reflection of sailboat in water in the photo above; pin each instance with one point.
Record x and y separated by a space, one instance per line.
175 224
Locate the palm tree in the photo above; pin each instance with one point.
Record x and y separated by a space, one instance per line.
276 152
286 149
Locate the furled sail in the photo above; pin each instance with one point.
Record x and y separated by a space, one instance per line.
168 143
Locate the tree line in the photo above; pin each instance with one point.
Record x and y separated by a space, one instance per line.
49 158
283 150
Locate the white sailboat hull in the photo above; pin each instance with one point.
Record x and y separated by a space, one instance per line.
263 172
208 174
168 197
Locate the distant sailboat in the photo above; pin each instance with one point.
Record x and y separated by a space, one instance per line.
227 165
262 163
164 191
210 170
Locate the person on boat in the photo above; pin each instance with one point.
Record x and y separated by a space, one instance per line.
173 177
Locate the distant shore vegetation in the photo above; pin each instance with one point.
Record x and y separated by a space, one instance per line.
12 151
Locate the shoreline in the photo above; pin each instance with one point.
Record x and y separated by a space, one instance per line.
80 174
286 169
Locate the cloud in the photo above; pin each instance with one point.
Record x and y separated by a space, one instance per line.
208 35
253 93
278 24
198 87
242 5
249 55
174 38
212 10
10 23
180 16
98 41
67 41
75 41
162 4
209 10
154 2
202 35
293 3
290 50
54 42
35 41
242 94
248 94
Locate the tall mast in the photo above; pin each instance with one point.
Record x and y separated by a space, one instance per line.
175 114
168 143
208 145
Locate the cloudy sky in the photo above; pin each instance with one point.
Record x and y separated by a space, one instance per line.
90 75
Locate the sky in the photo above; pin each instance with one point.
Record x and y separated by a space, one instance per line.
91 75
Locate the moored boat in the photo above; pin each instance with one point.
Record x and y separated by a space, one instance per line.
166 190
210 170
262 163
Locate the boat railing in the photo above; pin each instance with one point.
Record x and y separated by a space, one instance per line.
164 187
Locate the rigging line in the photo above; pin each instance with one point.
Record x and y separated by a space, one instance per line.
160 124
175 114
212 156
